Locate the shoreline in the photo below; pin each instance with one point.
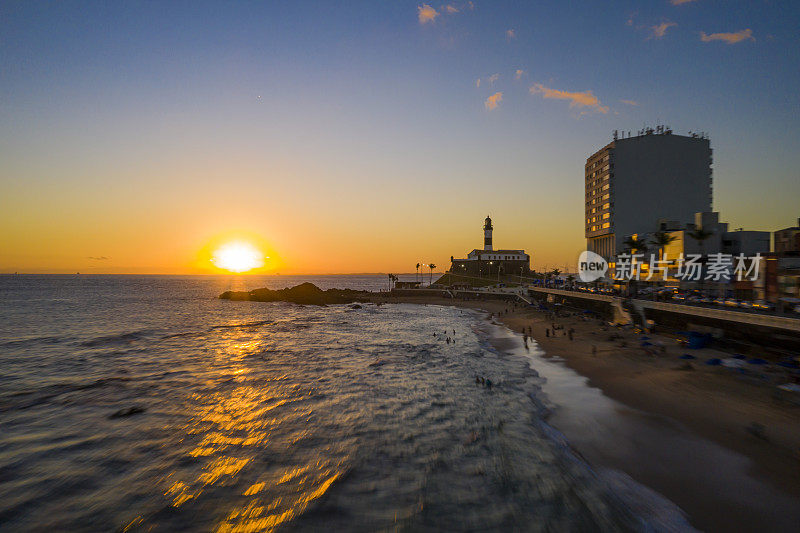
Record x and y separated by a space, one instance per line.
685 431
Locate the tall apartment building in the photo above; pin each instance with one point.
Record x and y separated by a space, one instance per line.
635 182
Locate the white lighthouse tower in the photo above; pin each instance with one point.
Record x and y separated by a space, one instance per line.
487 234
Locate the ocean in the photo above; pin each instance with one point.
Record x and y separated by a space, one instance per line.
146 403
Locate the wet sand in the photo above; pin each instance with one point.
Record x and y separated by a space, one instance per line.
682 433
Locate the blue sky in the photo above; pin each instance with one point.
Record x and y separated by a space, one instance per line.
139 116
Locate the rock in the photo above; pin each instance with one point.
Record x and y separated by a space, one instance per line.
305 293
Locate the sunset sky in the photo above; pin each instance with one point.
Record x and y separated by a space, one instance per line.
368 136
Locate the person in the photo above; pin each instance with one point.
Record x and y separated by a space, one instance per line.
547 332
571 332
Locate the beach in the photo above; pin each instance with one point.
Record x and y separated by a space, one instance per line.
687 433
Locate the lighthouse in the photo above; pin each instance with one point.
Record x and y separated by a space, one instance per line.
487 234
491 262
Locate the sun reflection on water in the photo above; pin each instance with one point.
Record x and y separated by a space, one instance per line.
234 431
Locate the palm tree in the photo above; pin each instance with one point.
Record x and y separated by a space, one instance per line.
662 239
571 281
417 277
555 272
634 244
430 280
701 235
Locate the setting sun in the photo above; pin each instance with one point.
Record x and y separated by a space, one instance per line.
238 257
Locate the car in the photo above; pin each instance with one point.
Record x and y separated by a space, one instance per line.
730 302
762 305
744 304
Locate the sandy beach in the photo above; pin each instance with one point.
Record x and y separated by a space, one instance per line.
677 410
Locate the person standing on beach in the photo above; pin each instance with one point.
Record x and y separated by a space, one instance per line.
547 332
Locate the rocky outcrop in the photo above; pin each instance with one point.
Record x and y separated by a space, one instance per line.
305 293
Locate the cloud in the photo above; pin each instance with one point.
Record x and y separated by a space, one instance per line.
511 34
680 2
577 99
493 101
730 38
98 258
518 74
493 78
478 83
661 29
450 8
426 14
630 102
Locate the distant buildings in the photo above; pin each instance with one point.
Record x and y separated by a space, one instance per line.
490 262
788 239
634 182
781 275
719 239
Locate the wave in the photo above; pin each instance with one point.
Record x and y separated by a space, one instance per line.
120 338
244 325
34 397
51 339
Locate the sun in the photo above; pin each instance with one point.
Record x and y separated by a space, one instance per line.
238 257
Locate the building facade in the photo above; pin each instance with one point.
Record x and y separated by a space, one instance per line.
634 182
491 262
788 239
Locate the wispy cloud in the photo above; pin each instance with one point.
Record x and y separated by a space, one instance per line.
493 101
630 102
679 2
576 99
450 8
98 258
426 14
660 30
511 34
730 38
478 83
519 73
493 78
